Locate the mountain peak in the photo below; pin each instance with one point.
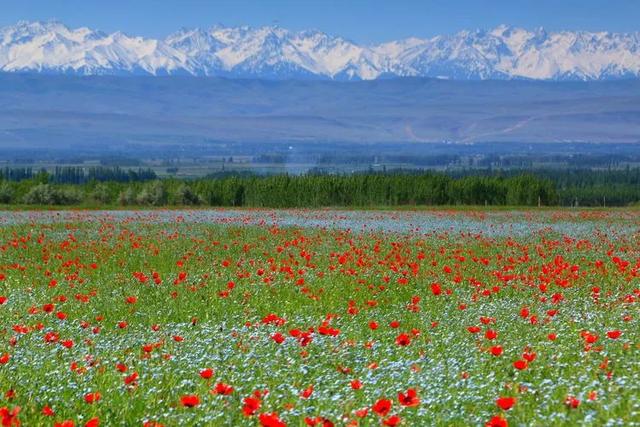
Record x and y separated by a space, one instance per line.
502 29
271 51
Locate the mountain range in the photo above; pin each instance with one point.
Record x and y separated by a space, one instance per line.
273 52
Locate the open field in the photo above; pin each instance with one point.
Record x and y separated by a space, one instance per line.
320 317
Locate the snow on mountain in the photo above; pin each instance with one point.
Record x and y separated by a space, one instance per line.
52 47
273 52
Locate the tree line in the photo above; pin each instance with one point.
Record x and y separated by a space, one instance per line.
582 187
474 187
288 191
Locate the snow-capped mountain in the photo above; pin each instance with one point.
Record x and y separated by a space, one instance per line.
52 47
274 52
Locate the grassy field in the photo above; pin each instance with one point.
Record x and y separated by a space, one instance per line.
451 318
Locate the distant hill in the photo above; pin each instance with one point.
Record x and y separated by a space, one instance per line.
104 111
276 53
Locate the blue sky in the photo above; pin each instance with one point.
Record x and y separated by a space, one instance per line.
364 21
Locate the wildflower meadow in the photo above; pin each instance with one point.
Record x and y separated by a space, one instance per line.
320 318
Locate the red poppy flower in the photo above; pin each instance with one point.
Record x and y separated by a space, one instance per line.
206 373
324 422
520 364
278 338
615 334
497 421
51 337
190 400
590 338
250 405
505 403
410 398
496 350
92 397
361 413
271 420
392 421
9 417
223 389
403 340
306 393
382 407
572 402
131 379
436 289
